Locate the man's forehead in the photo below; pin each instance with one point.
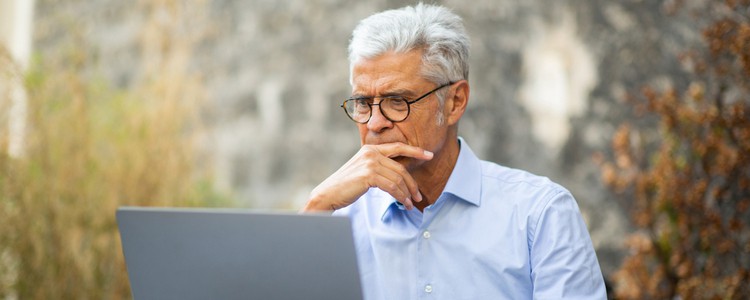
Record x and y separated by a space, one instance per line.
404 86
387 72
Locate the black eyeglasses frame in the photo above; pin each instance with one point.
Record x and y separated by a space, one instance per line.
408 104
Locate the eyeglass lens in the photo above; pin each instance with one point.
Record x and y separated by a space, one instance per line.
394 109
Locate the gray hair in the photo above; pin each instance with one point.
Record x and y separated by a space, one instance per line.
435 29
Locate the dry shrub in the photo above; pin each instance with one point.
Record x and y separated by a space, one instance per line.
90 148
689 181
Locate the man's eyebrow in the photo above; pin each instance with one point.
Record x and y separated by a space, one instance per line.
359 96
397 92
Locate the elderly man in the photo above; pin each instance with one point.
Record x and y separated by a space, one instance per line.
430 219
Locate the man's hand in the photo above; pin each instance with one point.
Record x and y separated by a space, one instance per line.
372 166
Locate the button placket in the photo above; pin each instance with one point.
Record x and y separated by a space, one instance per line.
426 235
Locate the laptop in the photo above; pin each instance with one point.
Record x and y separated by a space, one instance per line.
181 253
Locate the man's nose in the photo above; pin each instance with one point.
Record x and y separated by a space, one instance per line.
378 122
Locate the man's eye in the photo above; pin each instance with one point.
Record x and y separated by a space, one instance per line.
361 105
397 104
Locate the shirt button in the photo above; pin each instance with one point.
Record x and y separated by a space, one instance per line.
428 288
426 234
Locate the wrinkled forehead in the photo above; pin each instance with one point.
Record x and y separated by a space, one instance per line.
387 72
411 57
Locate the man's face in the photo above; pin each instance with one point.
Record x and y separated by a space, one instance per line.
394 74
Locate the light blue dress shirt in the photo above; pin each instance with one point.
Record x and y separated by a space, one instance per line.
494 233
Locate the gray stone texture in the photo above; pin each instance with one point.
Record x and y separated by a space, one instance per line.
548 80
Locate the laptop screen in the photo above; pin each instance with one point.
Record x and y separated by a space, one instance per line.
184 253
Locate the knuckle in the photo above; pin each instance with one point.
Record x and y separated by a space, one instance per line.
371 165
369 152
393 187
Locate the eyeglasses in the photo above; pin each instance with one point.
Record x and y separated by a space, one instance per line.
393 108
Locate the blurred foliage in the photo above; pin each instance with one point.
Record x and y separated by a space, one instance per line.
91 147
689 181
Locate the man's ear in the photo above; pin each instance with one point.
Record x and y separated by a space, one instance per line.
455 104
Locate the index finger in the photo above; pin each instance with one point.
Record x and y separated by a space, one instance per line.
392 150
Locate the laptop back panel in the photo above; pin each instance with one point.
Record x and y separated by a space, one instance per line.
230 254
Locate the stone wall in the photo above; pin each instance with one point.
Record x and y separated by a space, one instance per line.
548 80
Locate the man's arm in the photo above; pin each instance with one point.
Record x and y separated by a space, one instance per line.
372 166
563 261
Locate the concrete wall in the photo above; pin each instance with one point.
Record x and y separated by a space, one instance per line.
548 82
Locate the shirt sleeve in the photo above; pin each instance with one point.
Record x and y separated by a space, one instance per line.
562 257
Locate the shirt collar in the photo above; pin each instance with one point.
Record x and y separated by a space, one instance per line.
465 182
